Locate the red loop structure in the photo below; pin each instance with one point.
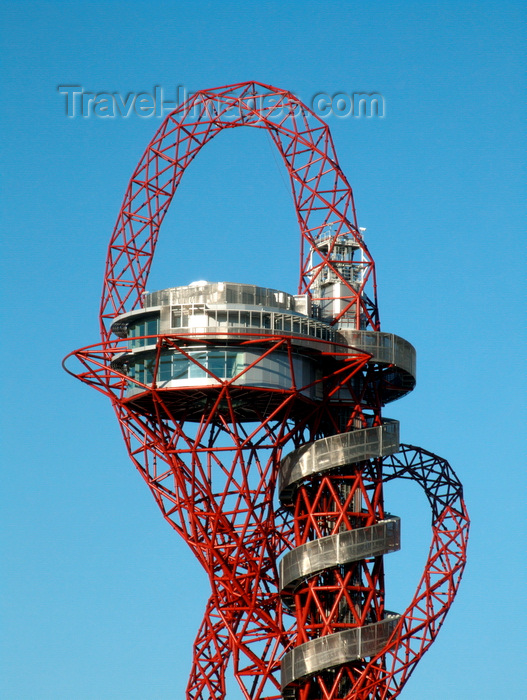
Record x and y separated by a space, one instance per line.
323 197
254 416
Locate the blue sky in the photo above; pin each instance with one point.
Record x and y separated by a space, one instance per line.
100 598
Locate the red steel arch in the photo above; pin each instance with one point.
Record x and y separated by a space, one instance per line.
214 476
322 195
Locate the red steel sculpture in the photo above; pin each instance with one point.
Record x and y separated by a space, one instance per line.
254 416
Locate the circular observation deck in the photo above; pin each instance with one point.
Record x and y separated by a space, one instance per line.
186 343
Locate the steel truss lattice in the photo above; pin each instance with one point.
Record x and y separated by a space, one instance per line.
212 452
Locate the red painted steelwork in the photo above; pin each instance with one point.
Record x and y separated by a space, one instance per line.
211 455
323 197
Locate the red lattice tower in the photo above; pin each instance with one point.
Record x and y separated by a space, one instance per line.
229 395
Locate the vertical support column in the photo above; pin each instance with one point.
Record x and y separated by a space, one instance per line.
341 597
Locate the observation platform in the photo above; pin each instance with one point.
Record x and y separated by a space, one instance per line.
263 343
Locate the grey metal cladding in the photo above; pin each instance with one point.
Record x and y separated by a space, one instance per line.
335 550
221 293
335 650
385 348
335 451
